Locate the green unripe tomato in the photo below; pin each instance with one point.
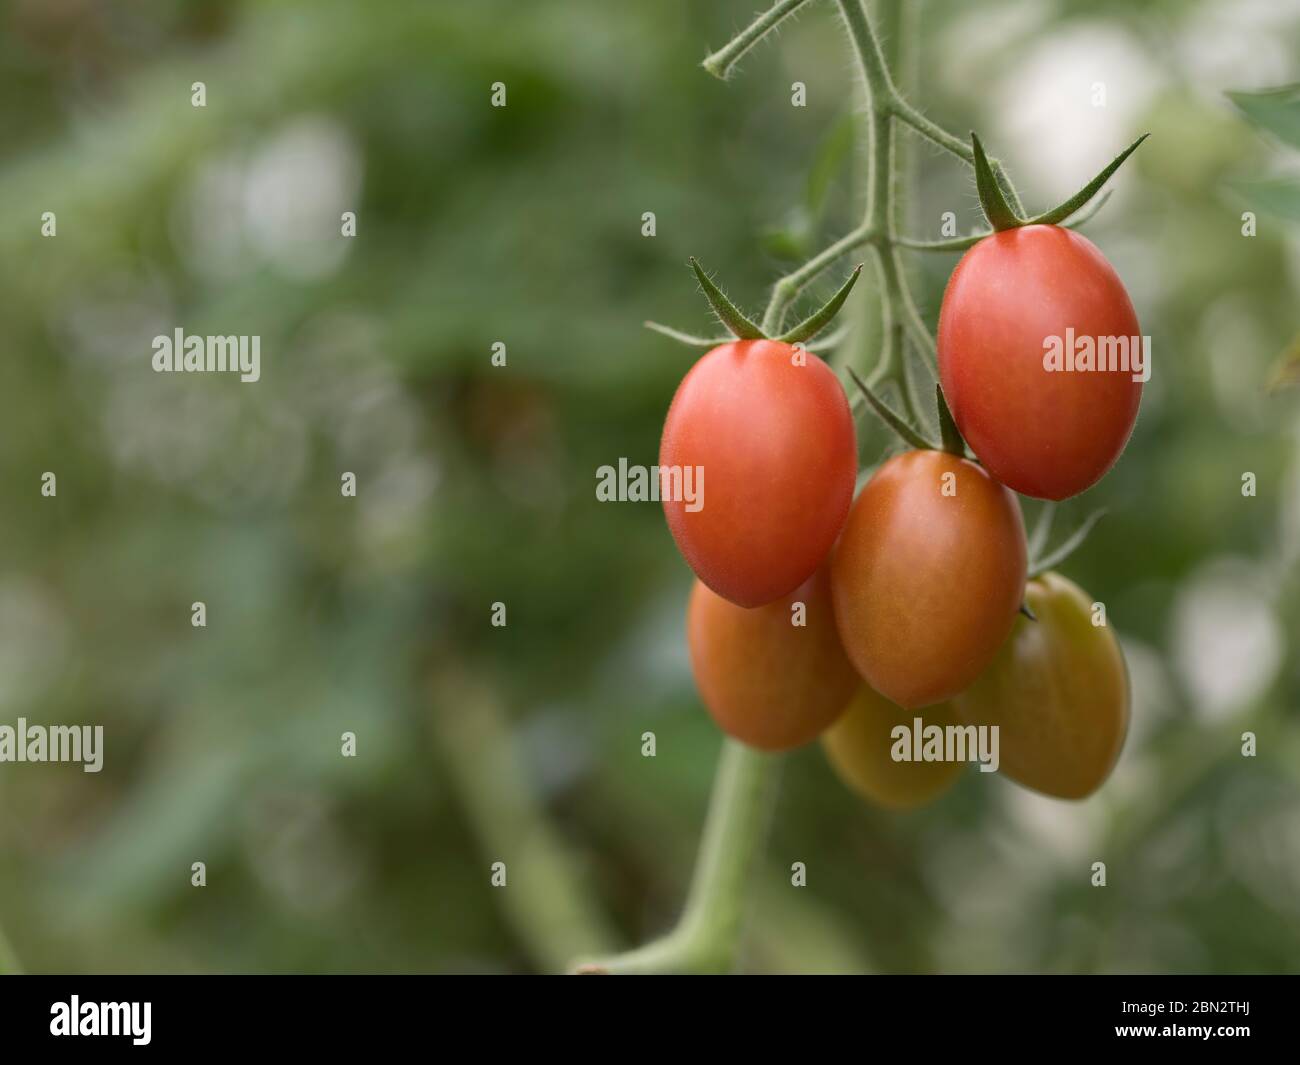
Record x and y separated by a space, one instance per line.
858 746
1059 691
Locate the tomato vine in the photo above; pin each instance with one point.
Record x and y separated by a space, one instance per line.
707 935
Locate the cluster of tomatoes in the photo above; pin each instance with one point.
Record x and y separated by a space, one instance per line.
818 614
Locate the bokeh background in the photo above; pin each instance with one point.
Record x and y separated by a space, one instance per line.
476 484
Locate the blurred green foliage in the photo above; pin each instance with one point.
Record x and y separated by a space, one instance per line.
476 484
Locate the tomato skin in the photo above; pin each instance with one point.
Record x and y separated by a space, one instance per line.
858 747
926 586
1059 691
1048 434
779 453
765 681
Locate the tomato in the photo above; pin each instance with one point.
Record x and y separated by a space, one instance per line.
769 682
1045 433
770 429
859 748
928 575
1059 692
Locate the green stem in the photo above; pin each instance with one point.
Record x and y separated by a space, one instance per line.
936 134
898 312
708 934
785 290
719 64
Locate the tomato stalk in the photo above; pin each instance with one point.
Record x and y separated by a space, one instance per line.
719 64
708 934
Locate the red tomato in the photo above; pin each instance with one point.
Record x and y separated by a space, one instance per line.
769 682
1043 432
928 576
771 431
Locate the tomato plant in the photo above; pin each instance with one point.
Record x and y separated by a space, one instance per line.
767 681
1059 692
1044 432
928 576
858 746
769 428
928 571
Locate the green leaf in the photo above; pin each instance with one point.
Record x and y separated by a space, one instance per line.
896 422
996 208
689 339
1063 211
726 311
1068 547
952 441
819 319
1275 110
1279 197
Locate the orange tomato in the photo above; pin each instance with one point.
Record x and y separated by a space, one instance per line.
768 682
928 576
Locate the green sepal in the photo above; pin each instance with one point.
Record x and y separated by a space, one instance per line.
992 200
1042 529
963 243
948 431
894 421
727 312
821 318
689 339
1063 211
1067 547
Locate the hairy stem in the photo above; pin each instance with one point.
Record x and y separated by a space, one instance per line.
788 288
708 934
936 134
719 64
898 312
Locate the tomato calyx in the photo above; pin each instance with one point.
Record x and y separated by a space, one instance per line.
1000 214
950 438
820 318
908 432
741 327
